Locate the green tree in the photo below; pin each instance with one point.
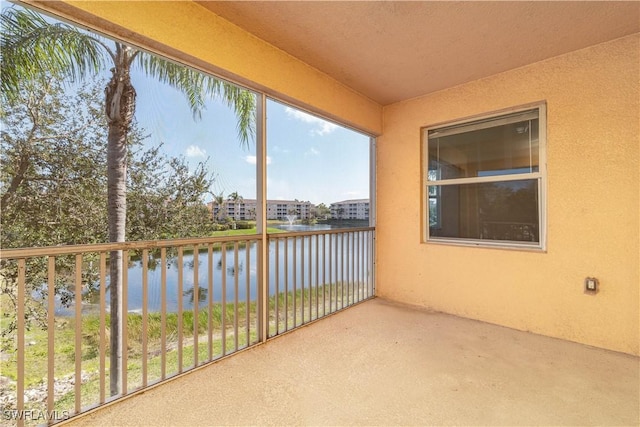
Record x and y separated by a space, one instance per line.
34 48
236 199
53 187
322 211
164 198
52 180
220 201
251 214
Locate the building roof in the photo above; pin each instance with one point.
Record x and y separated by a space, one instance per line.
302 202
351 201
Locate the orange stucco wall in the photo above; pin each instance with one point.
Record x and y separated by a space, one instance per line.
593 113
188 32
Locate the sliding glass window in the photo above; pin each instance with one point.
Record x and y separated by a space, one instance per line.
484 180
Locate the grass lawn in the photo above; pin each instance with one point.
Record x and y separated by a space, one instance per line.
246 231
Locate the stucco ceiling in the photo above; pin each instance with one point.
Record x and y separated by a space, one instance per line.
392 50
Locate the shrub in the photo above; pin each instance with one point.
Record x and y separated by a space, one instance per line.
243 225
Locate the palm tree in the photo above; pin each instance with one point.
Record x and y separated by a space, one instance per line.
252 214
35 48
236 199
220 201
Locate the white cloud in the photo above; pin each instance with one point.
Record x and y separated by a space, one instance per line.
323 127
254 160
195 151
312 152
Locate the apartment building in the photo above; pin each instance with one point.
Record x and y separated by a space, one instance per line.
350 209
245 209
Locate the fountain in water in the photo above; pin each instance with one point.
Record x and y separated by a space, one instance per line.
291 219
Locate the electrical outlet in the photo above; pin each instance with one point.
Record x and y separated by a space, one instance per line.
591 285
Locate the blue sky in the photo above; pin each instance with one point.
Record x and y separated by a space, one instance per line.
307 158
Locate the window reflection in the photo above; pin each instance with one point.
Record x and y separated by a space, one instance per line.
502 150
495 210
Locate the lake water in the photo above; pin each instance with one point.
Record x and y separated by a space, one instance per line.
342 259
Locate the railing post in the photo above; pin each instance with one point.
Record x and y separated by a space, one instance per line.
103 323
78 335
51 310
261 223
372 213
124 318
145 307
20 311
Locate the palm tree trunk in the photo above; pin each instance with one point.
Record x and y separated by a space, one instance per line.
119 109
116 213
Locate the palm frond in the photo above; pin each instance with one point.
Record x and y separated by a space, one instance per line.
197 87
33 48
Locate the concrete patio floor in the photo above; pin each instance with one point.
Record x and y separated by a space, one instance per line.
380 363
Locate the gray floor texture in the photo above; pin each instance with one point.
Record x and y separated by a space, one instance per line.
381 363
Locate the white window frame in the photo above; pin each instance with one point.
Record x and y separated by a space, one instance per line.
540 176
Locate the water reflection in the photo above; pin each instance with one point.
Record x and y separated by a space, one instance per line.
309 260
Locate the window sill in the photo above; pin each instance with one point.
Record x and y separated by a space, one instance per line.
485 244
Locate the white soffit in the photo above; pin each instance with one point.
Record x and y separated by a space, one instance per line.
390 51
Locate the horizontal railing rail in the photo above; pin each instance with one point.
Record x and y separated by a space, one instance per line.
320 232
184 303
6 254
